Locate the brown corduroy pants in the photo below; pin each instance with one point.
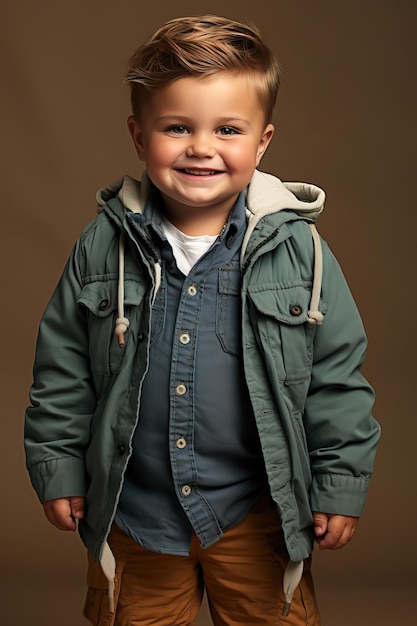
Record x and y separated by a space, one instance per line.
242 574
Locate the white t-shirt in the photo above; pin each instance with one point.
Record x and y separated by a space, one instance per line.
187 249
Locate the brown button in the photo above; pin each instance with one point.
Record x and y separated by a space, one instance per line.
103 305
295 310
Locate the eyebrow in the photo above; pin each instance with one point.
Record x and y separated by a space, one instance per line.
184 119
230 120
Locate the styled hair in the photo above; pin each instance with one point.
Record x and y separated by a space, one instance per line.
199 47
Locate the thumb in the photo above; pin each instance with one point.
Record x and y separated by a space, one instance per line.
77 507
320 521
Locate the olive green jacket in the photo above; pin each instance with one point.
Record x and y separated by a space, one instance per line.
311 403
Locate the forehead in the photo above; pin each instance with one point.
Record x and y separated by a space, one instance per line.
226 92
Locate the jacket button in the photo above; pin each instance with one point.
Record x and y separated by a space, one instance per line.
103 305
120 449
295 310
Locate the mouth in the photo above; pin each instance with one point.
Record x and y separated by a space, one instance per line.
199 172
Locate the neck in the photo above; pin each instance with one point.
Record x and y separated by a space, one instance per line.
195 221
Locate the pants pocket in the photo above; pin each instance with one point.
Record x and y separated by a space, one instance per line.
97 605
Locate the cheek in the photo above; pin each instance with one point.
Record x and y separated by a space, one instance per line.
161 153
243 157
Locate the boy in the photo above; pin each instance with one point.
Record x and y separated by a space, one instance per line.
197 405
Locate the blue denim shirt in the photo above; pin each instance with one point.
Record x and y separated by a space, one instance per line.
196 462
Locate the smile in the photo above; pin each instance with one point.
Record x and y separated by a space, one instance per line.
192 172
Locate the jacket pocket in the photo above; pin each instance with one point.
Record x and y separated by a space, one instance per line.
302 447
99 297
279 316
96 607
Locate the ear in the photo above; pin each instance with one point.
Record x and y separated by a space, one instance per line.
264 142
137 136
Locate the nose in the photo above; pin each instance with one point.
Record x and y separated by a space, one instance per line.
201 146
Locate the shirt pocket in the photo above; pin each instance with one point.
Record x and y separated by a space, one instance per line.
99 297
279 318
229 308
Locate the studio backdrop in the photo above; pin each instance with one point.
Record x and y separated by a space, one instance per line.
345 120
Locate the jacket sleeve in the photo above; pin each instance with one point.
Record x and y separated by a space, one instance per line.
62 396
341 433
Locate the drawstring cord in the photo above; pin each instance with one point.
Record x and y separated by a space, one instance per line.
314 315
158 279
122 322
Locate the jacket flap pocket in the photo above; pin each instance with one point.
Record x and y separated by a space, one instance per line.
134 291
100 296
288 303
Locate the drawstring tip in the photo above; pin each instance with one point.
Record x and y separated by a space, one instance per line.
121 339
111 596
108 565
292 576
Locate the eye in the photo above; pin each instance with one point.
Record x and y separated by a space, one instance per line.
228 130
178 129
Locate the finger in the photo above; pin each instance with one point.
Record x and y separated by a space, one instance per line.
77 507
332 541
58 512
320 521
340 531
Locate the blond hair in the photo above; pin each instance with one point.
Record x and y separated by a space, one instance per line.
199 47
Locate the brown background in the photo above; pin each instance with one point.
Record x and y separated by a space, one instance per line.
345 121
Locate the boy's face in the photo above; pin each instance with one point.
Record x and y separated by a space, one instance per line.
201 141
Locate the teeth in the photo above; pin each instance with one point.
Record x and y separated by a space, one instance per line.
200 172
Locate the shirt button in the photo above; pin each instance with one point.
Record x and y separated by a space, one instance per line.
181 443
186 490
296 310
181 389
192 290
185 338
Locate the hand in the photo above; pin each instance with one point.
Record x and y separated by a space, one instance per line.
63 512
332 532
